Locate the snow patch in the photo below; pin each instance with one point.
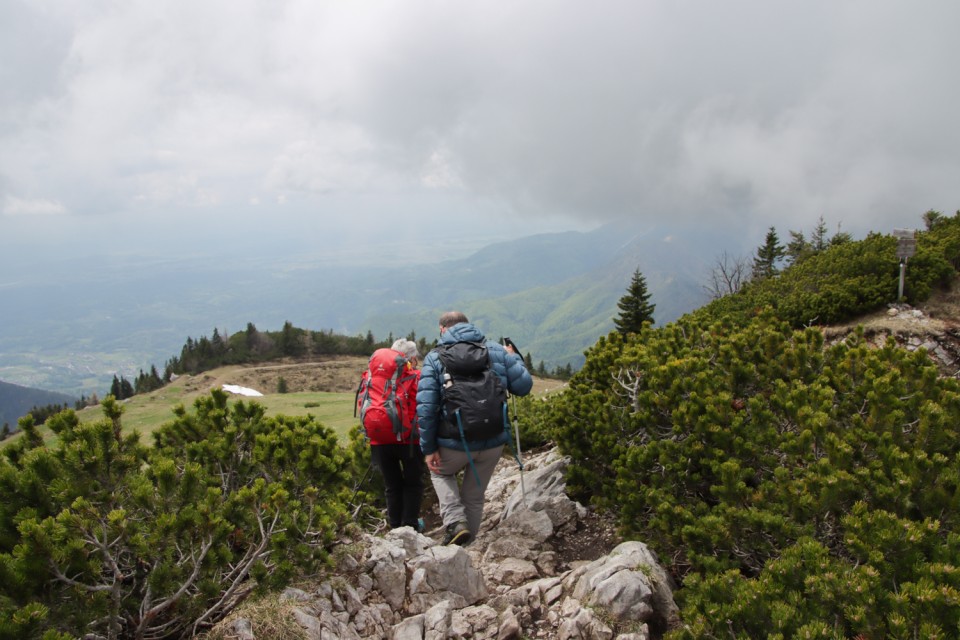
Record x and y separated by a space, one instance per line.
242 391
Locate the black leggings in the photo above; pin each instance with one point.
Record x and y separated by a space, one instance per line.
402 468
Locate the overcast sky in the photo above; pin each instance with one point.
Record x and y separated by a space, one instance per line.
269 121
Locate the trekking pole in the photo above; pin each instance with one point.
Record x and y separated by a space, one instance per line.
516 431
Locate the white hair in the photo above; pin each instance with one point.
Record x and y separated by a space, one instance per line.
406 347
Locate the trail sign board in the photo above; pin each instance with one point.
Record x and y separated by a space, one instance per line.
906 242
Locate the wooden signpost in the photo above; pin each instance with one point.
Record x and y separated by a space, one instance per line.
906 248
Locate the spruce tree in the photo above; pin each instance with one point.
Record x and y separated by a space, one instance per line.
798 249
635 307
818 239
840 237
126 389
768 255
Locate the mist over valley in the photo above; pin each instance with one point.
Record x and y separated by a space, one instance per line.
71 325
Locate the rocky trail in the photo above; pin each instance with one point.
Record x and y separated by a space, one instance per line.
543 566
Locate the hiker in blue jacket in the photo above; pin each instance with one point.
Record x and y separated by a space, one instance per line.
461 501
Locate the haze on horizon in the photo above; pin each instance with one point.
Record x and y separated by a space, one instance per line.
182 128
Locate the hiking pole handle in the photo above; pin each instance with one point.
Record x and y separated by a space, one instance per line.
507 342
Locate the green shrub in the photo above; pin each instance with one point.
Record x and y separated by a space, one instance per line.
796 489
115 538
846 280
529 417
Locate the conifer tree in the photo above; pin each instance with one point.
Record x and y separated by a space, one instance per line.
126 389
423 347
798 248
840 237
635 307
932 218
768 255
291 343
818 239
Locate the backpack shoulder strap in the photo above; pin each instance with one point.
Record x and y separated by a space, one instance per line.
364 377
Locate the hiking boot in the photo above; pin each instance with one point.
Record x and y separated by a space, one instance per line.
458 533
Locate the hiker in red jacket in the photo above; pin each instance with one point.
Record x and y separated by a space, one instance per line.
390 421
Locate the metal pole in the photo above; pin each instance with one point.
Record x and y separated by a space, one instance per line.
903 269
516 431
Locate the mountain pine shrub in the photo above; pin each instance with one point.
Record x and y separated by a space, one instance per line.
795 489
101 534
846 280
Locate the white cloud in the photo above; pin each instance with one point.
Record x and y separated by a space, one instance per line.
31 207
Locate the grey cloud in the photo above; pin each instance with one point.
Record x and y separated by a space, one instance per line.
743 112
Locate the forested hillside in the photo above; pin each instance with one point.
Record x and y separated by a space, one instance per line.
558 318
795 488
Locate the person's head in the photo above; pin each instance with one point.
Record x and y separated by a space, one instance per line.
451 318
407 348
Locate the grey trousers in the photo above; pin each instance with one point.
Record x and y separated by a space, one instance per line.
462 501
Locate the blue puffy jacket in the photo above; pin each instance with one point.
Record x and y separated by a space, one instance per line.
508 367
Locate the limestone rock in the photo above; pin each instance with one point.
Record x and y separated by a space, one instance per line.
449 569
539 485
242 629
629 584
507 584
410 629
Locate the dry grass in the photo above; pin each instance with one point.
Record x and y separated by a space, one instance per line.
269 617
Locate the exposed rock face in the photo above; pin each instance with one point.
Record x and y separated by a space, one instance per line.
912 329
506 584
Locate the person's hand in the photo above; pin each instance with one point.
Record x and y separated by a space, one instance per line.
509 348
433 462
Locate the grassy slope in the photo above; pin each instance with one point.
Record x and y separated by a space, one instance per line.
145 413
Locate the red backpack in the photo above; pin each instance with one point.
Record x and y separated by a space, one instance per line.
386 398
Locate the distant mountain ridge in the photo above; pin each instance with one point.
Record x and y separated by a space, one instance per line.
16 402
556 319
553 293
